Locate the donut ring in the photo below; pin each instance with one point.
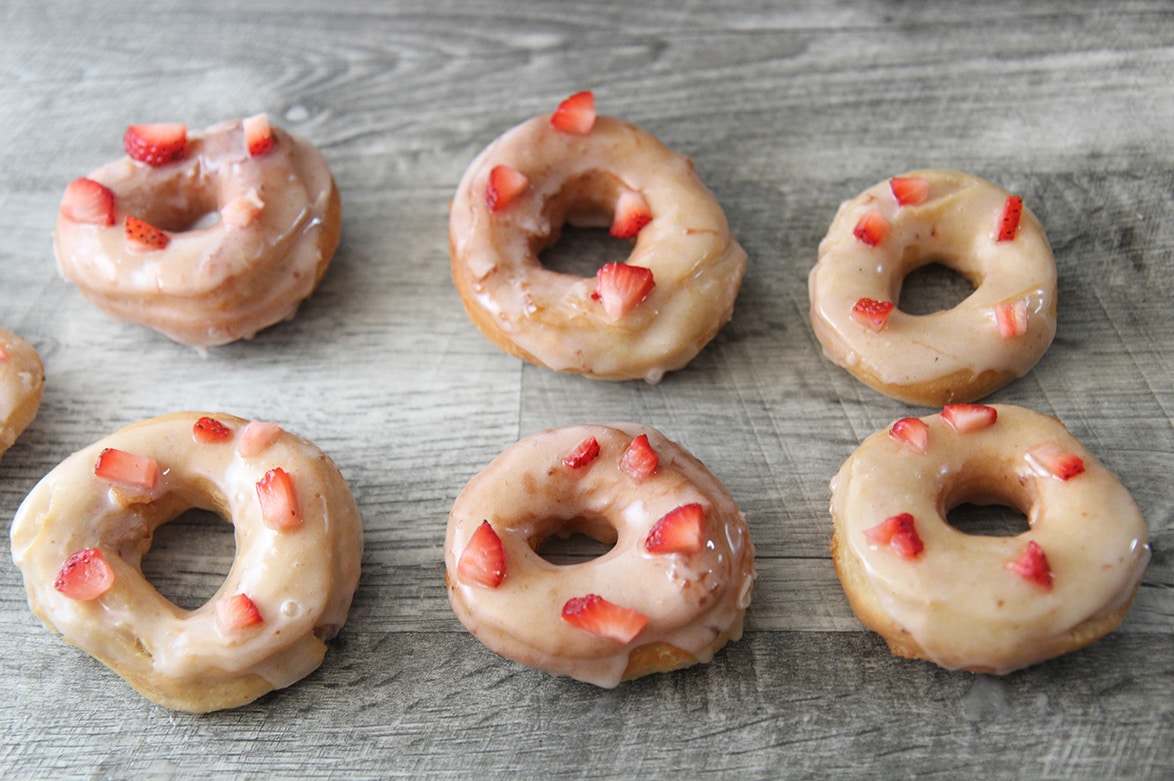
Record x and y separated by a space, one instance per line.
233 241
687 603
982 603
22 381
297 578
995 335
551 319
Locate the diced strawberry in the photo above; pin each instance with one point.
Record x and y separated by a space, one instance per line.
1009 219
631 215
1051 459
1033 566
243 210
483 560
258 135
156 144
621 288
913 432
85 575
120 466
872 313
681 530
237 612
900 533
256 437
605 619
143 236
278 500
639 460
505 185
584 453
909 190
871 228
208 431
88 201
576 114
965 418
1011 317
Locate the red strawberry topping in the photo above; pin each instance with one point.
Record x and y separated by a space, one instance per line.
1051 459
621 288
872 228
88 201
156 144
120 466
605 619
237 612
913 432
1033 566
576 114
639 460
900 533
1011 317
681 530
143 236
505 185
872 313
965 418
85 575
278 500
909 190
483 560
631 215
208 430
1009 219
258 135
584 453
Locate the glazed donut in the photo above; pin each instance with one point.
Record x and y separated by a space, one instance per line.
966 224
80 536
671 591
22 381
988 604
634 320
207 238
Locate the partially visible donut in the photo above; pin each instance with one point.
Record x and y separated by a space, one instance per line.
22 381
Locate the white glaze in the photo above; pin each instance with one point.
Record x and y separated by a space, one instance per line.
527 494
22 381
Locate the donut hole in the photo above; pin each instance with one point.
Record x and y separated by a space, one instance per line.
190 557
574 542
188 209
580 251
988 520
579 216
985 505
933 287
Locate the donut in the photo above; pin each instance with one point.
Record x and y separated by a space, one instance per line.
22 381
988 604
80 536
670 592
634 320
206 237
966 224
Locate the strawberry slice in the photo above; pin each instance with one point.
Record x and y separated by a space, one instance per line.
156 144
1053 460
505 185
482 561
88 201
208 431
871 228
1011 317
872 313
913 432
143 236
900 533
237 612
681 530
1033 566
965 418
584 453
120 466
605 619
576 114
639 460
258 135
1009 219
909 190
621 288
85 575
256 437
631 215
278 500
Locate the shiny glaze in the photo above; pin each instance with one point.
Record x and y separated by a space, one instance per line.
22 381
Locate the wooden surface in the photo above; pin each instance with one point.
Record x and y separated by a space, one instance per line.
787 109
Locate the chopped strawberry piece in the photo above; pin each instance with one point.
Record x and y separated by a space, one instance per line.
483 560
258 135
1009 219
88 201
909 190
1051 459
256 437
913 432
1033 566
639 460
1011 317
505 185
605 619
242 211
237 612
681 530
120 466
872 313
871 228
156 144
632 214
584 453
208 431
143 236
900 533
85 575
965 418
576 114
621 288
278 500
